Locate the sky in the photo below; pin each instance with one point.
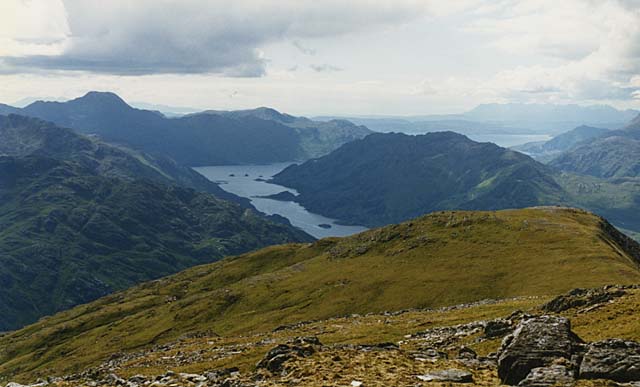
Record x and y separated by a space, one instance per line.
324 57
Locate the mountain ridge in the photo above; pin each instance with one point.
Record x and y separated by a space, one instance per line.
534 252
207 138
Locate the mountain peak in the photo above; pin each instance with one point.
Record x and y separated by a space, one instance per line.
101 97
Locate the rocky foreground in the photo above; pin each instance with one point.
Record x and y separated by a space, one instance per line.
534 348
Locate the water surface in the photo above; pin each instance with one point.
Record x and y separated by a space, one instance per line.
241 180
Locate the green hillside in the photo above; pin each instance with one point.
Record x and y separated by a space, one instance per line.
439 259
392 177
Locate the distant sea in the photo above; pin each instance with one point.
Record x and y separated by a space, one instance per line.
509 140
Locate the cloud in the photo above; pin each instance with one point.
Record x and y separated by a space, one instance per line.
325 68
199 36
305 50
583 49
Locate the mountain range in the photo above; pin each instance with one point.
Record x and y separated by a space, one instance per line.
209 138
80 218
503 119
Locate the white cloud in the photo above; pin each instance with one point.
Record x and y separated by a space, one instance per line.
200 36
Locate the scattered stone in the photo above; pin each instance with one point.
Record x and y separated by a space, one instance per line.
356 383
583 298
612 359
555 375
277 356
536 342
467 353
451 375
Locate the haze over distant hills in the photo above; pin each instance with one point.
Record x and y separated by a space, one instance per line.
206 138
545 151
512 118
80 218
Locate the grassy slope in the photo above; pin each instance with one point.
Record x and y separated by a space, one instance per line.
436 260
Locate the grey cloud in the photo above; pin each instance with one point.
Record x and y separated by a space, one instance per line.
325 68
302 48
199 36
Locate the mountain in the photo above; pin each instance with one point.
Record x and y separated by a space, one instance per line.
387 178
317 138
615 154
549 113
489 120
23 136
230 313
80 219
547 150
6 109
208 138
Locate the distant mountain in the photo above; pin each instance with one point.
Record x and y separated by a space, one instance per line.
519 112
615 154
24 136
6 109
545 151
387 178
252 137
503 119
80 219
317 138
181 322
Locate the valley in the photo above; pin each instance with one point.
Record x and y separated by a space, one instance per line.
250 181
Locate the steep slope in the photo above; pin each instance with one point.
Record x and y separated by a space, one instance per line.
436 260
607 157
387 178
253 136
613 155
546 151
24 136
69 235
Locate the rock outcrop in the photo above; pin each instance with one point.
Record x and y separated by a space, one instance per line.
543 351
536 342
612 359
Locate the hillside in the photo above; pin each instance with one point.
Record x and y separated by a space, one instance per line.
612 155
546 151
24 136
529 252
388 178
68 236
207 138
80 218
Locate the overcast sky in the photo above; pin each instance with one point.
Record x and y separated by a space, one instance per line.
316 57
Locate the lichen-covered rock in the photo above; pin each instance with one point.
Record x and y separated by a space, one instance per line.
497 328
451 375
612 359
555 375
536 342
